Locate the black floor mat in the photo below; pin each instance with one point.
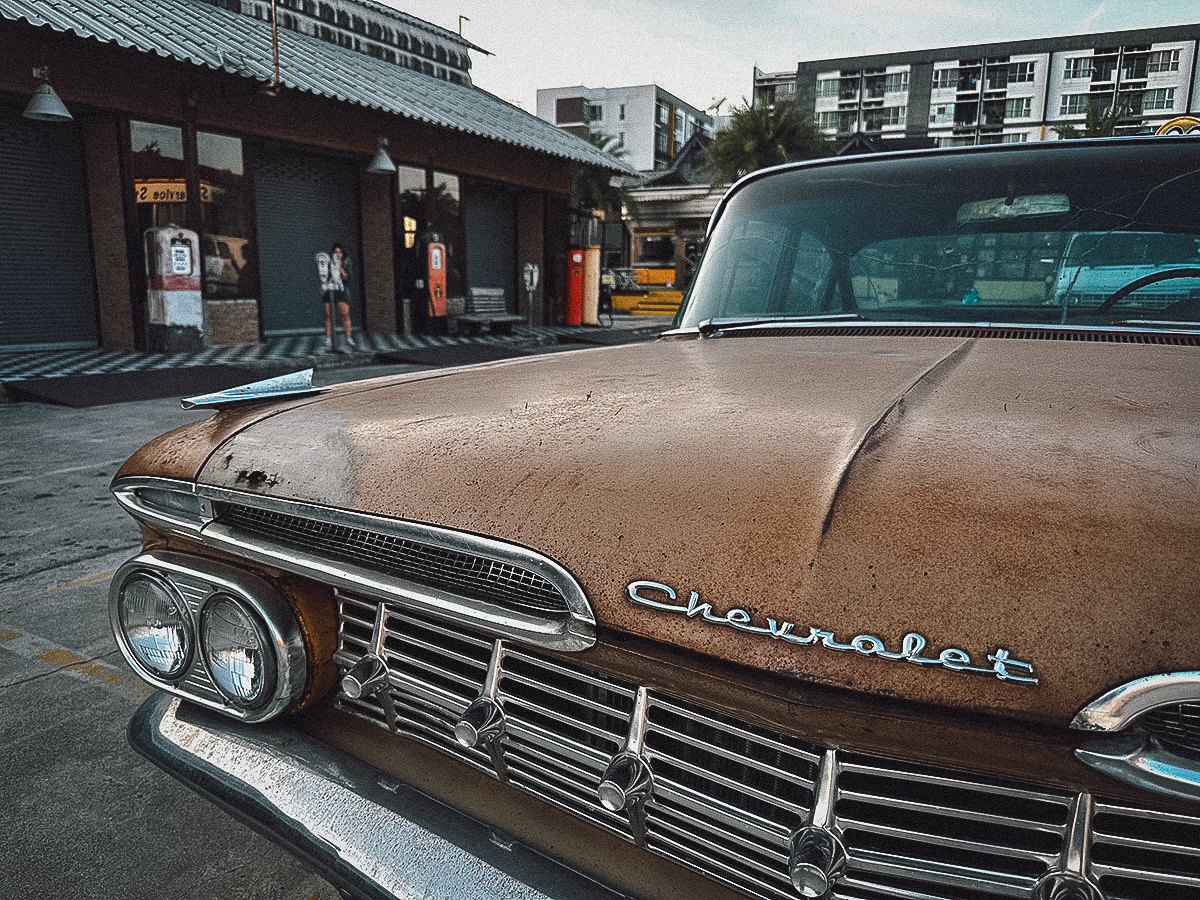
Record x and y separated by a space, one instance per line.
79 391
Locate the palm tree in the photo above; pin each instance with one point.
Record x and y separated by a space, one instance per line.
591 186
761 136
1098 121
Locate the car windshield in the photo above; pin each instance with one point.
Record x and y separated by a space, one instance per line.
1050 234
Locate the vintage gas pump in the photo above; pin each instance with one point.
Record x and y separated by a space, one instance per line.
175 313
574 287
437 278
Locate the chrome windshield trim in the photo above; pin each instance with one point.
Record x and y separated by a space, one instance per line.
713 327
1123 704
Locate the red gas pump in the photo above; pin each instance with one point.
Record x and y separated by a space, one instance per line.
437 279
574 287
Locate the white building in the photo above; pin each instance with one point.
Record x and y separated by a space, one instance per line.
1004 92
647 125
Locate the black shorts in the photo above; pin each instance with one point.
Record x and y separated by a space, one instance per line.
336 297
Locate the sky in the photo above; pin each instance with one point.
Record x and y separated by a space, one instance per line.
703 51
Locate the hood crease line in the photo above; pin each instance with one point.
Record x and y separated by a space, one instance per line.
940 369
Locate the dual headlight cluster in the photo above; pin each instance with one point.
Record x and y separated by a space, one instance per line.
208 632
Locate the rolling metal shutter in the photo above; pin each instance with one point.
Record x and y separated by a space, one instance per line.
48 290
304 203
491 226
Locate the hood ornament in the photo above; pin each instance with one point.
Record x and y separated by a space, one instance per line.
294 385
912 645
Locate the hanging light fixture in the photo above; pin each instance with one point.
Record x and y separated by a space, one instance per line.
382 163
44 105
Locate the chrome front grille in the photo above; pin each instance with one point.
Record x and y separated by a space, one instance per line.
730 796
1176 726
1142 855
563 726
990 838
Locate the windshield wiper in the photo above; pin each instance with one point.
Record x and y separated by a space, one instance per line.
714 327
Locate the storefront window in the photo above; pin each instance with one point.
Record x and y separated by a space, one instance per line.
445 220
223 240
411 193
159 175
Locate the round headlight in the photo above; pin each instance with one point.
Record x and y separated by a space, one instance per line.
238 651
155 623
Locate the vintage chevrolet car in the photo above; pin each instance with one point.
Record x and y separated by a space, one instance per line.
878 576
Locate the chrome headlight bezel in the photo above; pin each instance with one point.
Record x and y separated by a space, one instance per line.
265 637
198 580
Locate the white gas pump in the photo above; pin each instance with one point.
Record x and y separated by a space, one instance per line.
531 272
175 308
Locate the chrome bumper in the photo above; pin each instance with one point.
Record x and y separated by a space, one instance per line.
368 834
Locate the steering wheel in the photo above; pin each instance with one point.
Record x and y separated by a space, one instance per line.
1118 295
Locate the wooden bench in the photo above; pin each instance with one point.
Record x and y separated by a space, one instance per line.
487 308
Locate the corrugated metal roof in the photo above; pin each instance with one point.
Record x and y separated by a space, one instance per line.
206 35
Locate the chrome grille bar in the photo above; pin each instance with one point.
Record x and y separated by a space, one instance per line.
728 796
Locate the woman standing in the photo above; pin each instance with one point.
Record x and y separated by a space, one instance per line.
333 289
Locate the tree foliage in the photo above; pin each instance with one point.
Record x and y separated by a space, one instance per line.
761 136
591 186
1098 121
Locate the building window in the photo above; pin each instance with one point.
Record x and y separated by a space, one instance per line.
945 78
942 114
827 87
997 78
1078 67
1020 71
445 220
595 112
664 114
1104 68
1162 98
1018 108
1073 104
223 234
661 142
876 119
1163 61
843 121
1019 138
1134 67
159 175
896 82
621 113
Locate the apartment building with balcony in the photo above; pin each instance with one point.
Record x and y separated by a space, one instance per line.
646 124
1002 92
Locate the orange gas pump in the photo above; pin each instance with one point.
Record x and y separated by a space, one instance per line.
437 279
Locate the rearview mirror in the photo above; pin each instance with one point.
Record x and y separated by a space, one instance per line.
1014 208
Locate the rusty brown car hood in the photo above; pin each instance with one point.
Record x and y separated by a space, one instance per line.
1035 500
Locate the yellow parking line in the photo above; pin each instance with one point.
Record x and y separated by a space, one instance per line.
65 659
79 583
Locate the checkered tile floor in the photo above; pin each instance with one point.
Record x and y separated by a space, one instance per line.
24 364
